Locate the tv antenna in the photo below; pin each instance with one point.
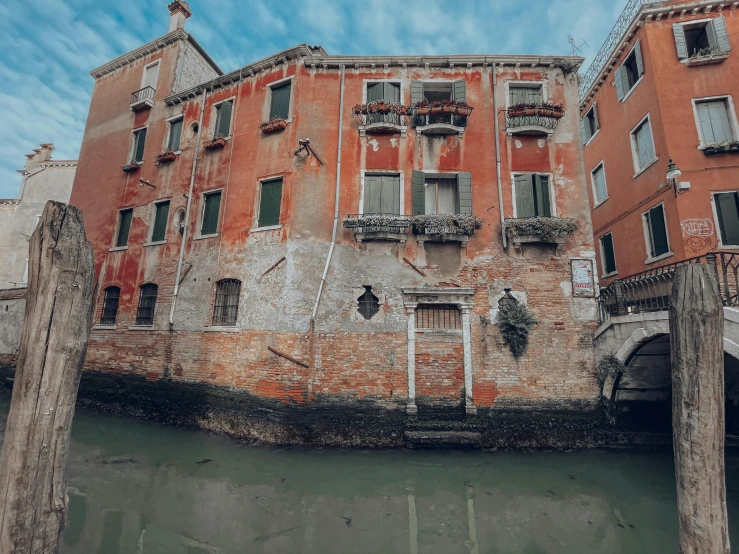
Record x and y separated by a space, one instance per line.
577 50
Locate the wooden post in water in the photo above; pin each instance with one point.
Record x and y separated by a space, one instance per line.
697 354
33 464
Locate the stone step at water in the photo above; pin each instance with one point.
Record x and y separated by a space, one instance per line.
441 439
440 425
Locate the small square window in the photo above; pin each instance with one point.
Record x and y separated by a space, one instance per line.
211 211
161 213
226 306
270 202
175 134
369 304
124 227
280 101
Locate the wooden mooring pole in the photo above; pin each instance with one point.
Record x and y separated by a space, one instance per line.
697 355
33 464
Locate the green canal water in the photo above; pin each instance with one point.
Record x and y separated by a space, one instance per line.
141 488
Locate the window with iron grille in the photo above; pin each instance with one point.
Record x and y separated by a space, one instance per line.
110 306
147 303
226 306
369 304
438 316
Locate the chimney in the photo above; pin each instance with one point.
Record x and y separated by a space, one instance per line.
179 11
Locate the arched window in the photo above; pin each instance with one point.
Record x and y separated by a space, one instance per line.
226 306
110 306
369 304
147 303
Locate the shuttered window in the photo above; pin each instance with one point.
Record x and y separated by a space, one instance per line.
657 231
147 304
630 72
211 209
702 38
727 212
389 92
643 145
441 196
110 306
713 118
520 94
381 194
280 101
226 306
438 316
124 227
139 143
223 118
444 195
589 125
161 213
269 203
532 196
609 256
599 184
175 134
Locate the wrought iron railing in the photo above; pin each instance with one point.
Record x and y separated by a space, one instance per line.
544 121
649 291
378 223
146 93
392 118
429 119
612 41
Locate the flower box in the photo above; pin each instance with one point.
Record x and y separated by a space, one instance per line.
273 126
130 168
721 148
422 110
165 158
540 230
464 110
215 144
446 224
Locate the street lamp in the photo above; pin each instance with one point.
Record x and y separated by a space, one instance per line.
673 172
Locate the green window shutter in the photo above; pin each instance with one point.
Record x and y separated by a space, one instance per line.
460 91
140 143
524 186
175 135
374 92
160 221
280 103
639 59
619 77
417 96
269 203
372 194
419 192
390 203
542 201
680 44
223 121
584 130
391 92
722 37
595 118
658 231
124 227
464 192
211 211
727 210
609 257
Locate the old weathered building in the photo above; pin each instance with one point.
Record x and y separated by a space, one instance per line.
269 259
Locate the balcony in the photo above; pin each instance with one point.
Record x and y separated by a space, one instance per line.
444 117
540 230
533 119
381 117
387 227
445 227
142 99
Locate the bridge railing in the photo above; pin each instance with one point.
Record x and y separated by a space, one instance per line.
649 291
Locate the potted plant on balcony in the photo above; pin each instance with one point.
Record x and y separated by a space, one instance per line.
130 167
446 224
421 108
215 144
550 109
165 158
273 125
462 108
437 107
541 229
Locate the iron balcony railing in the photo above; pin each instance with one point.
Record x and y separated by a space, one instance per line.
451 119
392 118
378 223
650 290
146 93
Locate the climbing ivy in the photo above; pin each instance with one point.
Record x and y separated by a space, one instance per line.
609 365
515 322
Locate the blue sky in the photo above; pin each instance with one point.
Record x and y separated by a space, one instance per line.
50 46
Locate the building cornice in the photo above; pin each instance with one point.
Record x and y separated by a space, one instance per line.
60 163
9 201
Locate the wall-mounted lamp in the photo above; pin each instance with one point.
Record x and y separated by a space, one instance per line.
673 172
143 182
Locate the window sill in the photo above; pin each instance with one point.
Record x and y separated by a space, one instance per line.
204 237
141 327
643 169
530 130
155 243
661 257
118 248
440 129
608 275
103 327
600 203
632 88
591 138
706 60
728 248
266 228
222 329
383 128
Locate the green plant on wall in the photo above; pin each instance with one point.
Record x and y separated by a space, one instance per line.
609 365
515 322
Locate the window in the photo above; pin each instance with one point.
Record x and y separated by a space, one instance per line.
629 73
211 209
161 213
124 226
642 145
110 306
226 306
442 194
139 142
280 101
713 121
175 134
434 91
369 304
381 194
147 303
589 125
389 92
727 213
223 119
607 255
525 94
656 231
533 198
151 74
269 203
701 38
438 316
598 175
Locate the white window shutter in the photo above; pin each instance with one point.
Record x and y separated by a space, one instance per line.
680 44
595 117
719 28
618 77
584 130
639 59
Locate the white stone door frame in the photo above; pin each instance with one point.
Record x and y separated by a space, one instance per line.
464 300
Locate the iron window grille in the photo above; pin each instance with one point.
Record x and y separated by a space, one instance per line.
369 304
438 316
226 306
110 306
147 303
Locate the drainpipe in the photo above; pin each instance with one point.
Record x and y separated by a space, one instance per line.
187 209
336 203
497 158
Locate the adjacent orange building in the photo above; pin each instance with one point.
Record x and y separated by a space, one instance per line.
663 86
